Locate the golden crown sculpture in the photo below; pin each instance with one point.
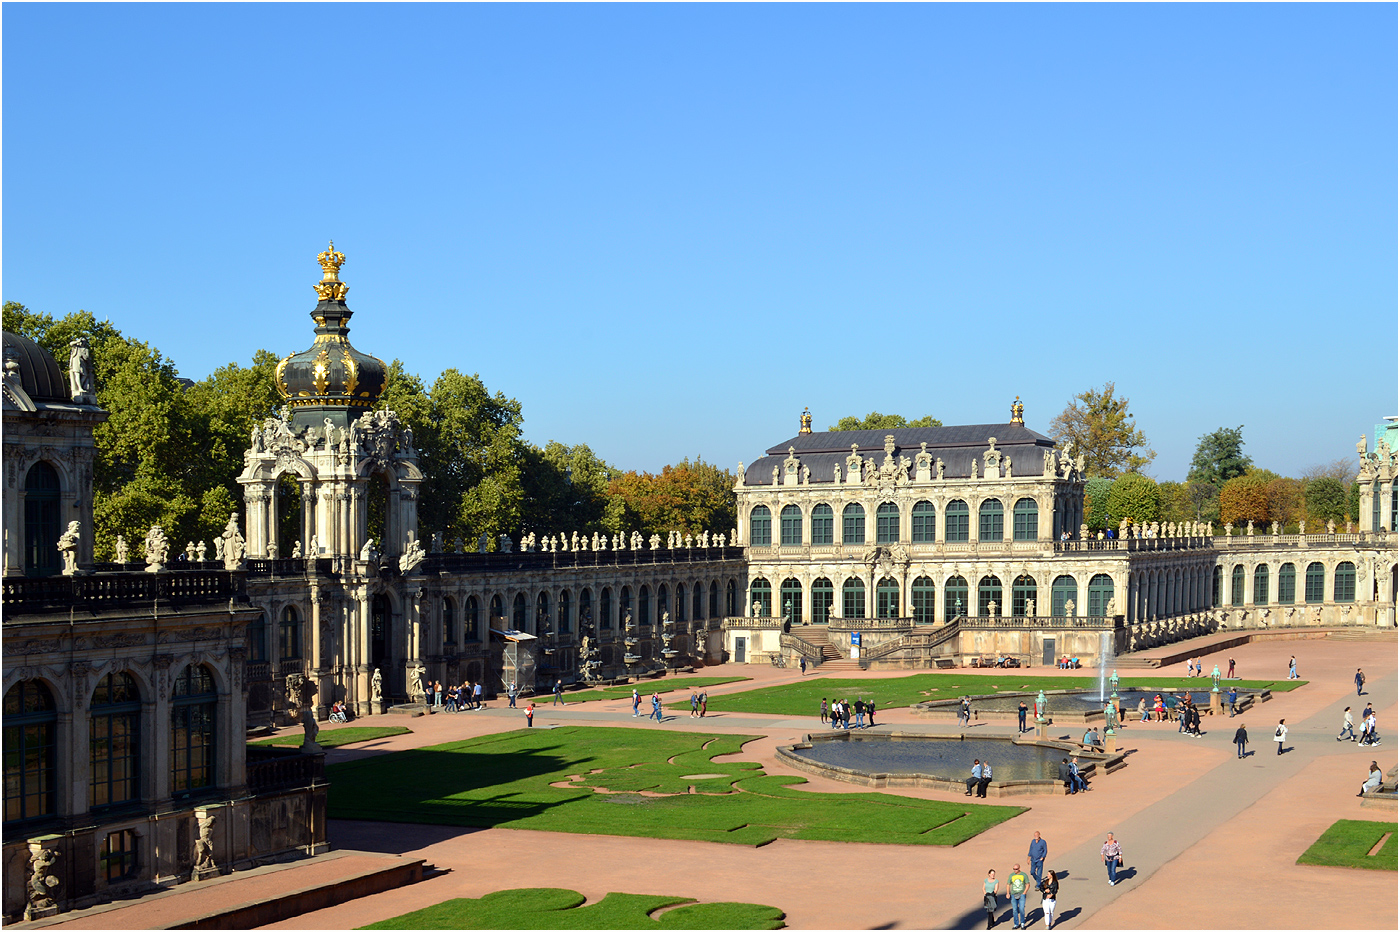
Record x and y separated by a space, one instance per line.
330 287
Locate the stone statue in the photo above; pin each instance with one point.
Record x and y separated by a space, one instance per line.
200 550
1110 717
272 550
376 686
1348 524
43 885
719 540
503 544
1040 707
1361 447
1123 528
157 548
457 543
1069 607
411 557
330 435
120 549
435 546
1331 526
1079 464
81 385
483 542
1249 528
296 551
655 542
1302 527
636 540
689 542
757 608
416 692
938 467
367 554
233 544
973 474
68 549
1049 469
992 608
573 541
1030 608
1083 532
204 845
189 551
596 541
705 537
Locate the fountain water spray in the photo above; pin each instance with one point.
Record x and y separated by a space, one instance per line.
1105 658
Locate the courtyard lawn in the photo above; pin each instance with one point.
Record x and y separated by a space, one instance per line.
553 908
646 688
334 739
1348 844
545 779
805 696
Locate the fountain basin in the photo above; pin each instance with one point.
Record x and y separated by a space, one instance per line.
1075 706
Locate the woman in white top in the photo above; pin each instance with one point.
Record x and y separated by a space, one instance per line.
1373 779
1280 735
1347 726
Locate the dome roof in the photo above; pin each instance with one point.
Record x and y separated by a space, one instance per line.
332 379
39 374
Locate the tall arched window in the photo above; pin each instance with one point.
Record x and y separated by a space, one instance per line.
663 602
1100 594
518 610
680 602
731 598
954 598
605 613
989 520
1237 585
1287 584
697 602
823 595
1062 591
42 520
821 525
1261 584
449 622
644 605
790 600
585 611
1022 591
471 619
790 526
257 639
542 619
925 601
887 525
853 598
955 521
379 615
760 527
853 524
30 752
192 730
1217 583
761 591
565 621
289 634
714 600
989 591
114 740
887 598
1025 520
1344 583
1312 582
924 529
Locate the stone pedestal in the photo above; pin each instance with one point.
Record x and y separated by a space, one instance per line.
1042 730
1215 703
1110 742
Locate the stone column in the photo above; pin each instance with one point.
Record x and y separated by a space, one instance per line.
1366 505
1387 519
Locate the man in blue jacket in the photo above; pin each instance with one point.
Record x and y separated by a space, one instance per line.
1037 855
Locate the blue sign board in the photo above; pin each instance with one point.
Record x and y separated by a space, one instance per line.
855 638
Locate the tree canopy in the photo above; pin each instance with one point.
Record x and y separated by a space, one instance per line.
1219 457
1135 497
689 497
877 421
1245 498
1096 424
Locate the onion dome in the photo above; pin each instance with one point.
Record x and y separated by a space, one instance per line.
332 379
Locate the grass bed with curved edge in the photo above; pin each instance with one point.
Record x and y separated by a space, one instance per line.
805 696
1348 843
555 908
337 737
645 689
634 782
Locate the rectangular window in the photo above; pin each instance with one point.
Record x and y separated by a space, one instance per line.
1026 524
821 527
853 529
989 525
791 529
924 527
1312 584
955 524
119 856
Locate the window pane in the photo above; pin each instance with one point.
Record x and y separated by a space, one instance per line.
887 523
823 594
853 599
821 526
1261 585
924 527
955 523
791 526
760 527
989 521
1287 584
853 525
1027 522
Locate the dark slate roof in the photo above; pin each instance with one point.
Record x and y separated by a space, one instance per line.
39 374
957 446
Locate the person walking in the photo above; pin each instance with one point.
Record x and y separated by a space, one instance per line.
1241 739
636 702
558 692
530 715
655 707
989 897
1360 680
1230 675
1293 668
1198 667
1233 696
1016 886
869 713
1348 726
976 777
824 710
1021 717
802 665
704 703
511 692
1049 890
965 711
1112 853
1280 735
694 703
1036 855
476 696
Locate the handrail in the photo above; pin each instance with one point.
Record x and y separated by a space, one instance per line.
807 649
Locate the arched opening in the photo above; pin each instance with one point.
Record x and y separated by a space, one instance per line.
449 624
697 602
924 599
1287 584
1100 594
605 613
193 723
289 525
680 602
790 600
924 530
379 630
377 513
624 608
1237 585
1063 591
989 591
585 610
989 521
114 742
731 598
1344 582
761 598
954 598
1217 583
822 521
257 639
823 597
30 752
471 619
497 617
518 613
887 598
1025 520
289 634
42 520
644 606
543 623
663 603
760 527
853 598
1022 594
1261 584
565 621
887 526
714 600
955 521
853 525
790 526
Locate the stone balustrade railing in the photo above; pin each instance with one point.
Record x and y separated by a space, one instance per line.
567 559
271 769
123 589
1057 622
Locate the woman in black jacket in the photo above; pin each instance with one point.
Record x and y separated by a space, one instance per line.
1049 889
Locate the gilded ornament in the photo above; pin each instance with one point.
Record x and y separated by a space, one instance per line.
320 372
350 374
281 376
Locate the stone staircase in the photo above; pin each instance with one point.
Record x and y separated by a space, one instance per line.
832 658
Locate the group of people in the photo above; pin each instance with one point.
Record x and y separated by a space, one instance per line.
637 705
699 703
841 712
1068 663
1368 727
1019 884
454 698
1071 777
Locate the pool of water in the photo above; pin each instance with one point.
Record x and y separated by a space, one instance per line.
938 757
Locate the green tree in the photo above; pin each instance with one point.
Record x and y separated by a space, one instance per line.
1096 502
1097 425
1219 457
1245 498
566 488
877 421
1135 497
1326 500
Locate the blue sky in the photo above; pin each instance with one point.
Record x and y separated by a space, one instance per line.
666 229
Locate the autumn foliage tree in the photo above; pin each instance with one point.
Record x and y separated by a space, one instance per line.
689 497
1097 425
1245 498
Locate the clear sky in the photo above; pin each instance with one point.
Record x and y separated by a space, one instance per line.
666 229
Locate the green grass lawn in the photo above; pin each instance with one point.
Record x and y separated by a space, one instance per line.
504 780
805 696
1347 842
646 688
553 908
334 739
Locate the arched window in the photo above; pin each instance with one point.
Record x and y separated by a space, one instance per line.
1022 591
731 598
1312 583
379 615
31 760
1100 594
114 740
1062 591
565 622
42 520
497 614
472 620
790 600
954 597
257 639
1261 584
887 526
761 591
989 519
823 595
853 524
449 622
289 634
519 612
680 602
790 526
1237 585
1217 582
663 603
955 521
1344 583
989 591
924 530
192 730
821 525
887 598
1287 584
585 611
1025 520
714 600
697 602
760 527
542 619
644 605
925 599
853 598
605 614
